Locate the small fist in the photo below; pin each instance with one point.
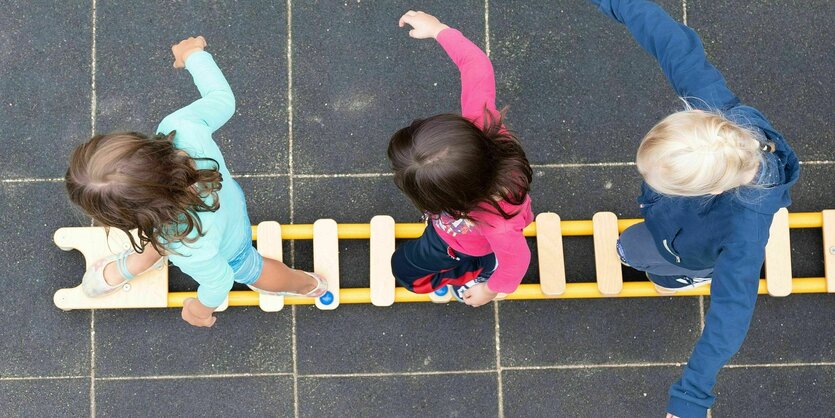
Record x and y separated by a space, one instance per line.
185 48
189 315
479 295
424 24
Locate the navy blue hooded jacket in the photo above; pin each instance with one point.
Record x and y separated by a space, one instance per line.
728 231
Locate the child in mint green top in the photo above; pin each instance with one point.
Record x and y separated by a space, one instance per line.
176 191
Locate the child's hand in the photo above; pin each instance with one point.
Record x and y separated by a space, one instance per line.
185 48
197 314
425 25
478 295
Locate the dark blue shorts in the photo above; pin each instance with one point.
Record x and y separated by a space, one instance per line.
637 249
428 263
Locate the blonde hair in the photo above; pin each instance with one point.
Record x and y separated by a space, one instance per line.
694 153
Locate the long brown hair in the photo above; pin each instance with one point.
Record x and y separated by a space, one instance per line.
127 180
446 163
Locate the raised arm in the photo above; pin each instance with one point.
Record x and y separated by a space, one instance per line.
217 103
677 48
733 293
478 84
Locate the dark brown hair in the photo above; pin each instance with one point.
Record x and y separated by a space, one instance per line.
446 163
127 180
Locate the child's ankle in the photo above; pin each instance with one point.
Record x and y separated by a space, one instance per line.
112 275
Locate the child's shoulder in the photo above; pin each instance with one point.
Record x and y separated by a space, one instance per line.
522 215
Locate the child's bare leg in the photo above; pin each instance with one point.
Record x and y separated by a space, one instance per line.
277 277
136 262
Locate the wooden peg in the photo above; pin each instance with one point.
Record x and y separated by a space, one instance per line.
382 247
270 246
606 259
550 254
829 248
326 261
778 253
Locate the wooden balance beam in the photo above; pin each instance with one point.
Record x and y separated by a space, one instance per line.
150 290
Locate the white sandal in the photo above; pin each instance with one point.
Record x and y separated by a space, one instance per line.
93 283
320 289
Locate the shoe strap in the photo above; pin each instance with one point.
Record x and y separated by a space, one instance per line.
122 264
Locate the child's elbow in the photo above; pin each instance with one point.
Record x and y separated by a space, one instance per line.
226 102
229 101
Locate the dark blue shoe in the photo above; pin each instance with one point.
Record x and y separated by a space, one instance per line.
674 284
458 291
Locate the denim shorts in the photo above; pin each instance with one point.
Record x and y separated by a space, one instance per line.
247 264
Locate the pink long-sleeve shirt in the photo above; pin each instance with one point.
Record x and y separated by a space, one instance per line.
491 233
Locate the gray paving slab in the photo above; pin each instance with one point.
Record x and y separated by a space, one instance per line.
578 193
152 342
45 398
136 86
258 396
776 392
579 88
632 392
813 191
598 331
45 85
779 60
453 395
267 199
402 338
37 338
807 252
348 200
359 78
797 328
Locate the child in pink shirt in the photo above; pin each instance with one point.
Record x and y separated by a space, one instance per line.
471 178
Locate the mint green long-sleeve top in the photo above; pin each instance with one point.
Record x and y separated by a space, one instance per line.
227 229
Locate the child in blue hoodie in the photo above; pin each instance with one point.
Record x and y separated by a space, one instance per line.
714 175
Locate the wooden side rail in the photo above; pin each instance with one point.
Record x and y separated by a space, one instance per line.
150 290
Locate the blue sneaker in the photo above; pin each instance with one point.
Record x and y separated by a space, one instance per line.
674 284
458 291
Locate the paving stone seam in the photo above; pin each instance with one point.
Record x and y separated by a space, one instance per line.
499 377
399 374
93 110
497 324
396 374
16 378
778 365
196 376
92 363
593 366
291 198
640 365
294 355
